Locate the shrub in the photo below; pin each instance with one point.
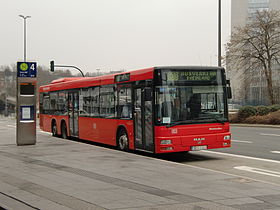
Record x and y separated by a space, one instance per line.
272 118
233 118
257 115
274 108
263 110
246 111
253 120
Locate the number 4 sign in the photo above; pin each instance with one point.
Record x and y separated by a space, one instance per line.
26 69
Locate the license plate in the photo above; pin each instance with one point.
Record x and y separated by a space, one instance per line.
197 148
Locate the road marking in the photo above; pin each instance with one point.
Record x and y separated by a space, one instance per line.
13 126
275 152
258 171
43 132
241 156
209 169
247 142
269 134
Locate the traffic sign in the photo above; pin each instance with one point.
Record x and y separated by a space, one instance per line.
26 69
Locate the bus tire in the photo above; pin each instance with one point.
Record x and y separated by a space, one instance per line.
54 129
123 140
64 131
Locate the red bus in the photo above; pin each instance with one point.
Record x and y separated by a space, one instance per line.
159 109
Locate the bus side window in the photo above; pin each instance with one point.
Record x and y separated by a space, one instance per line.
46 103
125 111
107 101
124 102
95 102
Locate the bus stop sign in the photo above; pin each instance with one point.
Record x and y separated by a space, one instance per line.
27 69
26 103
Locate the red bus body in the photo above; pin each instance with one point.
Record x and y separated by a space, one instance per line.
181 137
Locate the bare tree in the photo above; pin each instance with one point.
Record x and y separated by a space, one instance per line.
255 48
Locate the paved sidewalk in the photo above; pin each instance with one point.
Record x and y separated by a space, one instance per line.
62 174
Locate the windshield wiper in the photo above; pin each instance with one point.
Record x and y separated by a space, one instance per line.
195 120
219 120
180 122
211 118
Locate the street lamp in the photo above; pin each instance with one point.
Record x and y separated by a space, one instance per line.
98 70
24 18
219 35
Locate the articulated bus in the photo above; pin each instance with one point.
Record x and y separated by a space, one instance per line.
158 110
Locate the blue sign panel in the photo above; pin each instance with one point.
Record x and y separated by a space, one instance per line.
26 69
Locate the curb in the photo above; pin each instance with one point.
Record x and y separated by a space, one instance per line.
255 125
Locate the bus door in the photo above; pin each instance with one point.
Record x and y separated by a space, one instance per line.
143 118
73 112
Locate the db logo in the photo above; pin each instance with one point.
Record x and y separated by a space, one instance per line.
174 131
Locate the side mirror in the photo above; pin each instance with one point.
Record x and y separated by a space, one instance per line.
229 93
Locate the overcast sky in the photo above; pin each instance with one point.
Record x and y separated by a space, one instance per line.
113 34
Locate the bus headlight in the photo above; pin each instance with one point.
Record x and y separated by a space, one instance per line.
227 137
164 142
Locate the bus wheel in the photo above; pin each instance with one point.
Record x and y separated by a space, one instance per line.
123 140
54 129
64 131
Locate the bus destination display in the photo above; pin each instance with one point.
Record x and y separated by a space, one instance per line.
192 76
122 77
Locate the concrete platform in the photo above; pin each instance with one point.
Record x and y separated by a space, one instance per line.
63 174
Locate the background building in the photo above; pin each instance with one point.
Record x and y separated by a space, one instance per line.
242 9
254 91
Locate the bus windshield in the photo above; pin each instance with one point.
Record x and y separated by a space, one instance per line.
189 104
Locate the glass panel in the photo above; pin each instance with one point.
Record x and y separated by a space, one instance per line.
95 101
124 102
41 103
148 115
53 102
85 102
190 104
62 102
107 102
138 117
257 5
46 103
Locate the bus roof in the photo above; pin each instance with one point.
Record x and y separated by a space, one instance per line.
135 75
79 82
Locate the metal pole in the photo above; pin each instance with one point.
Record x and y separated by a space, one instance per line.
219 35
6 95
24 35
75 67
24 39
98 74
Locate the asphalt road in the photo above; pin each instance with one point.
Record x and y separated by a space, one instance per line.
255 142
255 154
